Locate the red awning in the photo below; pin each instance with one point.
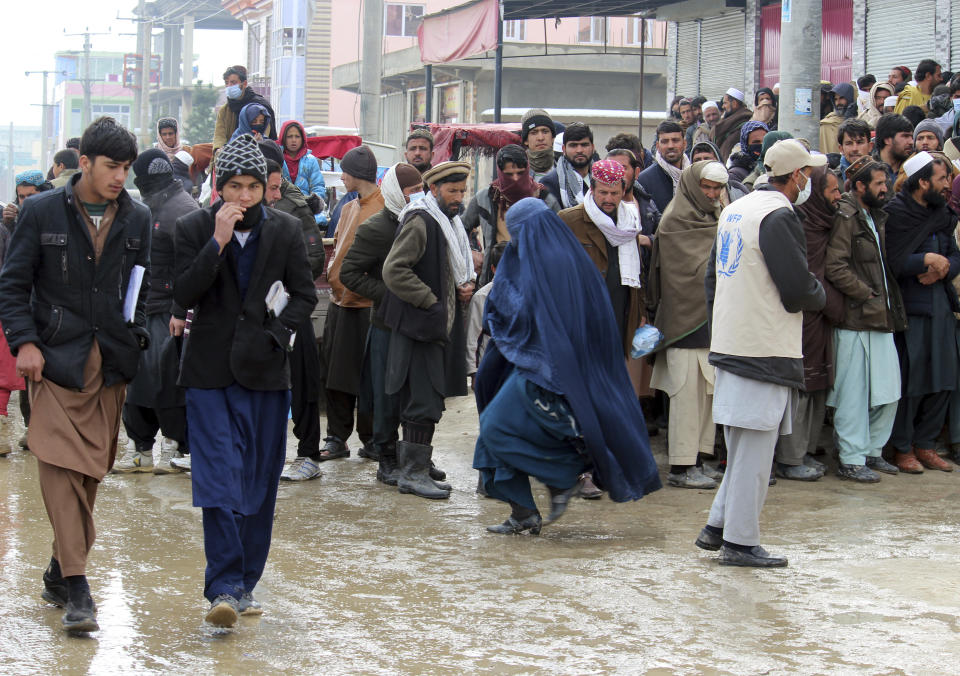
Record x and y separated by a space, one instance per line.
332 146
485 139
459 32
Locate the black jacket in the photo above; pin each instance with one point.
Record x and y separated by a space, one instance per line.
362 269
292 202
233 339
166 205
658 184
54 294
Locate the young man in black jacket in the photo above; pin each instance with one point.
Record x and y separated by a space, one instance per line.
77 325
154 402
236 368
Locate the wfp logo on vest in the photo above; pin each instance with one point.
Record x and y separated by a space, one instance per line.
730 252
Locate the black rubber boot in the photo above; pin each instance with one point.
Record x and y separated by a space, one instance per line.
521 519
55 589
414 462
387 472
81 612
559 499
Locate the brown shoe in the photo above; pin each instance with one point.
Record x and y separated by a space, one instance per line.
908 463
929 458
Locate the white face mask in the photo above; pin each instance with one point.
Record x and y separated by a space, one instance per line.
234 91
804 193
415 196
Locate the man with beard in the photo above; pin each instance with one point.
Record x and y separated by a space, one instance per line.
487 210
154 402
362 273
703 131
537 133
239 94
793 457
631 142
927 136
418 149
927 77
567 181
757 285
660 179
726 133
866 385
923 257
27 184
428 271
893 143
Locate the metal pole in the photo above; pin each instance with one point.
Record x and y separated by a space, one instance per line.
144 111
44 128
800 37
370 69
643 54
428 88
138 88
85 116
498 72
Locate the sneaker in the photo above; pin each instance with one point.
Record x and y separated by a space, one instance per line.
878 464
223 612
169 449
301 469
134 461
249 605
859 473
181 463
691 478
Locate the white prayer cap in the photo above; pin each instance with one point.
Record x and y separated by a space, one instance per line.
709 104
890 101
917 162
716 172
735 93
558 143
184 157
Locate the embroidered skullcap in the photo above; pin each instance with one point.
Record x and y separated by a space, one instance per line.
30 177
715 172
917 162
735 93
241 157
445 169
861 166
608 172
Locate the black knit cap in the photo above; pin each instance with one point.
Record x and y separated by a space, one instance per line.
534 118
360 163
271 151
150 162
241 157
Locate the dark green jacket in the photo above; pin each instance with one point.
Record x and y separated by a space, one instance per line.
292 202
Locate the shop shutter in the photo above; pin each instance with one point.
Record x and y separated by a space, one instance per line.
722 48
955 38
899 34
688 58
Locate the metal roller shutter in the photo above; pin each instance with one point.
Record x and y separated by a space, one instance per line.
688 58
722 56
899 34
955 38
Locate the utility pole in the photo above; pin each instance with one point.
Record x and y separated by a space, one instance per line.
45 120
370 68
87 82
801 26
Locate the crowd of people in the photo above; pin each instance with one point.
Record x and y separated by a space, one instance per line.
792 289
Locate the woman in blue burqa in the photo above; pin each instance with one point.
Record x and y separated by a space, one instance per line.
553 392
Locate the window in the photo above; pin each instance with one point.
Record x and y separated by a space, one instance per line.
254 42
402 20
633 31
592 29
119 112
515 30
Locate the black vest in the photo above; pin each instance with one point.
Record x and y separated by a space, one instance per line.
430 325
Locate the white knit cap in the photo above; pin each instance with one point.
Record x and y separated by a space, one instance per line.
184 157
890 101
715 172
917 162
735 93
709 104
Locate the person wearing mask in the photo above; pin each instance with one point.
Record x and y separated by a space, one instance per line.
488 208
428 271
168 137
893 143
742 162
552 392
299 166
537 132
362 273
255 120
924 259
927 77
875 103
236 370
793 456
757 287
866 386
567 181
726 133
239 94
154 403
660 179
678 308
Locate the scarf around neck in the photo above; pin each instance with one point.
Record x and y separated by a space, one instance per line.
293 160
458 246
505 193
571 184
622 235
541 161
170 151
672 171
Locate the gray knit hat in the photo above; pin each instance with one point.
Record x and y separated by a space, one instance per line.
360 163
931 126
240 157
533 118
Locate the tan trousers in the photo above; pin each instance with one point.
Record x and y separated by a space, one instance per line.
69 497
687 378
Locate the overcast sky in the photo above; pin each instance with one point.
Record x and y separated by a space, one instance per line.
34 31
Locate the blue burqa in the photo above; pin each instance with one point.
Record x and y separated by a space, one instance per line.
549 317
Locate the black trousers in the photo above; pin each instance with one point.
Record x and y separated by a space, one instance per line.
421 403
305 390
386 407
340 409
919 421
143 423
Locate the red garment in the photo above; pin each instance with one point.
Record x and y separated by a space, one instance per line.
511 192
293 161
9 380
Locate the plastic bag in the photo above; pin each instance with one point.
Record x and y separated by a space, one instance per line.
645 341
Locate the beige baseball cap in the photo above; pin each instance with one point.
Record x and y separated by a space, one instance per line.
787 155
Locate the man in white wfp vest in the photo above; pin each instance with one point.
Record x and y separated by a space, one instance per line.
758 286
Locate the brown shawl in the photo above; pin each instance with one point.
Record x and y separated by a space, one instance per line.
678 263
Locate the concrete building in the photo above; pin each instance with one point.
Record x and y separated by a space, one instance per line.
108 94
19 151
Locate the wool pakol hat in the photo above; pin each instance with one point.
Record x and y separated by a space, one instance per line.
241 157
788 155
608 172
445 169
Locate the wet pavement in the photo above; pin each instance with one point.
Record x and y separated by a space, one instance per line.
364 580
